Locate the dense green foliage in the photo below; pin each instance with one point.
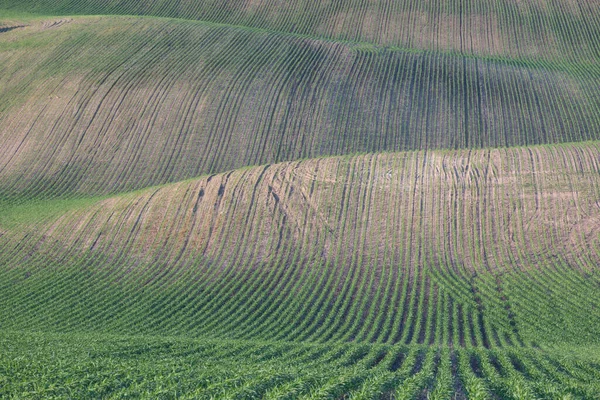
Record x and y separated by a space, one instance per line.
43 365
300 199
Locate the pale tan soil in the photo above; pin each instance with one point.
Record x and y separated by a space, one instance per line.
56 23
444 202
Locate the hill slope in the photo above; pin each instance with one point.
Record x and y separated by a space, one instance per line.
539 28
422 247
456 273
290 199
124 103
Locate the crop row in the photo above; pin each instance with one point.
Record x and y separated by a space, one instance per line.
537 28
59 366
487 248
120 104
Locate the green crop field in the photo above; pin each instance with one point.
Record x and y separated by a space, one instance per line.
350 199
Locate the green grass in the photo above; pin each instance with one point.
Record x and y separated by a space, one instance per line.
31 212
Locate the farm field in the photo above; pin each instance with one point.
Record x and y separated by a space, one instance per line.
108 366
536 28
127 103
432 251
322 200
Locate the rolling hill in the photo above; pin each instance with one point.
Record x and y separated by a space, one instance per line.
127 103
266 199
536 28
